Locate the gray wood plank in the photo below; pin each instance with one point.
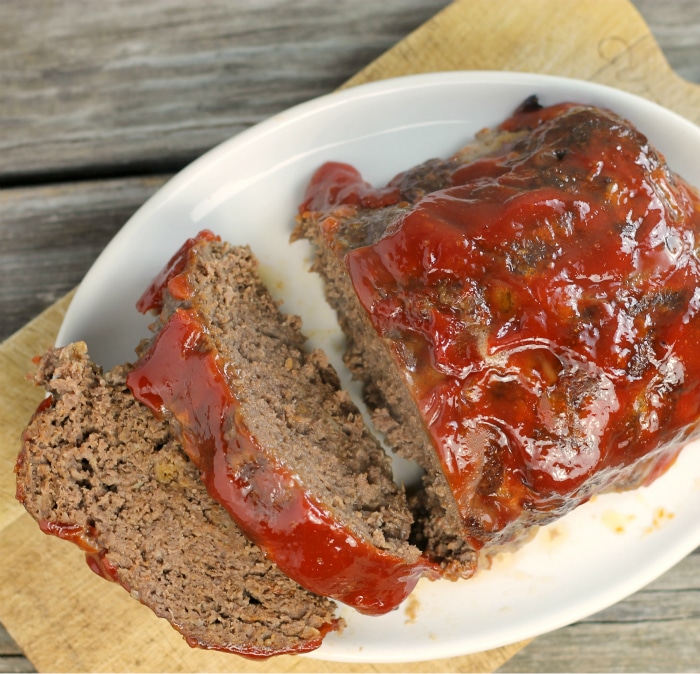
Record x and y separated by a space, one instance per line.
11 657
50 236
147 86
7 645
14 663
676 27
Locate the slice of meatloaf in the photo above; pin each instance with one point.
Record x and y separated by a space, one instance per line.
97 468
524 314
279 444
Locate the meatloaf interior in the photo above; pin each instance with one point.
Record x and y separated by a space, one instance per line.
306 435
99 469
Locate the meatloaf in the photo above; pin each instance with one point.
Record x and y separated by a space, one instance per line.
278 443
524 315
97 468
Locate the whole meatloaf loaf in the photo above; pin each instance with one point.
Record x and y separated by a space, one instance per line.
277 441
524 315
98 469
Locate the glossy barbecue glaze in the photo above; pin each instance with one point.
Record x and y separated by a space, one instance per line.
185 376
542 309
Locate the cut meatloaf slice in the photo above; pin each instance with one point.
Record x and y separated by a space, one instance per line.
525 315
97 468
279 444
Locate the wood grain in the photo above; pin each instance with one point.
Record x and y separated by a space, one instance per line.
147 86
95 100
11 657
51 235
676 28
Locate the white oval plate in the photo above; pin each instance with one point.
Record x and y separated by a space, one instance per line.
248 189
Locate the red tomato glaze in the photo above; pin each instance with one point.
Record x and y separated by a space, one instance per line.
152 298
182 375
85 539
339 183
543 311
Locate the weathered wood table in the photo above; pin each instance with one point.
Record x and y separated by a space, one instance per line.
102 102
